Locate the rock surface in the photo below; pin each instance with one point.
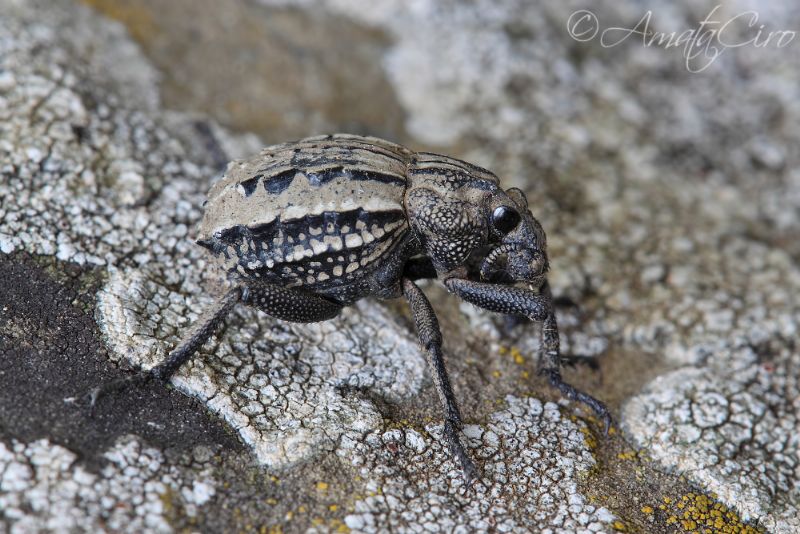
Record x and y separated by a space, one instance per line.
670 198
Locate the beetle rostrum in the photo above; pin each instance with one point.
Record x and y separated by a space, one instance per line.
305 228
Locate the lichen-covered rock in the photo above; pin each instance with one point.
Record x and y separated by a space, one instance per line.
670 199
674 196
279 385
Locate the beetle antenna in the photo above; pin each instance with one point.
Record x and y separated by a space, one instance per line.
488 264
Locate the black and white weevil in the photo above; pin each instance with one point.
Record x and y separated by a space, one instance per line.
305 228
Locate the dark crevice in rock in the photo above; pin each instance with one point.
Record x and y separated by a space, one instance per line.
50 351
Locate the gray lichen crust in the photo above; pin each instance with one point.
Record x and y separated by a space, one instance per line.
675 198
684 194
532 461
45 488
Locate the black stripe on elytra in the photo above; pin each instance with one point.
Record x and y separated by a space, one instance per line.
320 177
323 158
374 176
338 220
324 176
355 152
250 184
278 183
259 238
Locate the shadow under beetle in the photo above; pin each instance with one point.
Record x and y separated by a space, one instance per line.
305 228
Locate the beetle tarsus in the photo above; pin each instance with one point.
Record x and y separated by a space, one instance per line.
457 449
95 394
575 360
571 392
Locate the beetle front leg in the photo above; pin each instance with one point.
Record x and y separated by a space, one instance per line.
431 339
537 307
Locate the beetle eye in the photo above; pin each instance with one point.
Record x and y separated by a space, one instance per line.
505 219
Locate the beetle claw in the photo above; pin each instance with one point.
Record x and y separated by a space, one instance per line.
97 393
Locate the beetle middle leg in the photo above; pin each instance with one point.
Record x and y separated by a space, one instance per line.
431 339
537 307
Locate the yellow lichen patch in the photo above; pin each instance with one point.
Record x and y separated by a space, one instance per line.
138 20
333 507
502 350
336 525
167 500
496 374
647 509
618 526
629 455
588 437
519 359
702 514
322 486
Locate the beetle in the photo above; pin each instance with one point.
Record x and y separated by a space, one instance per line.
305 228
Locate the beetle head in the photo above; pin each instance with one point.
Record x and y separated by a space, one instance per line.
519 238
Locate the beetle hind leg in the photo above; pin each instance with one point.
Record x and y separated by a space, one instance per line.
283 303
198 334
290 304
